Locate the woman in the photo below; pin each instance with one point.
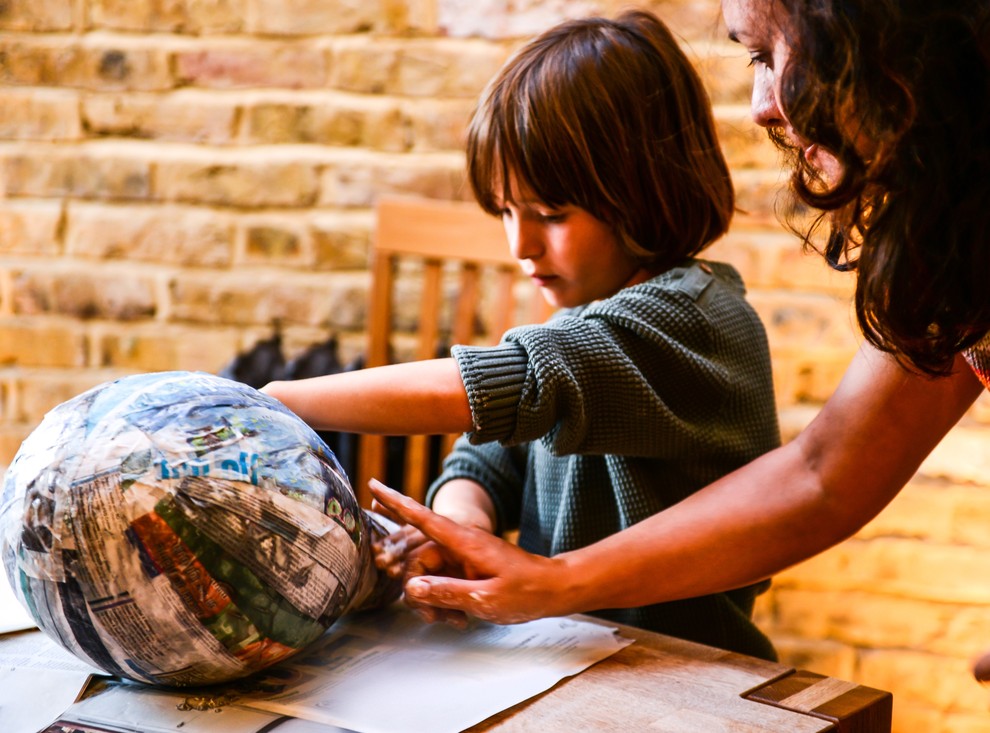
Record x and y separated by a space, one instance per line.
886 108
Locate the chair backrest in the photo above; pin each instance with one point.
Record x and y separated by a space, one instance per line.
454 258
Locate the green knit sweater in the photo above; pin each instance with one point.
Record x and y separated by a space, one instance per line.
616 410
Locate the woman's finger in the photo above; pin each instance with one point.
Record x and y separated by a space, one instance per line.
382 510
464 544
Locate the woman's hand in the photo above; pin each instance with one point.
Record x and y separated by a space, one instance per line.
399 555
473 572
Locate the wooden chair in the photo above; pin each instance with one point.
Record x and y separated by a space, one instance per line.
445 241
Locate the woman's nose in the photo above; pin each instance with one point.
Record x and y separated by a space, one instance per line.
764 106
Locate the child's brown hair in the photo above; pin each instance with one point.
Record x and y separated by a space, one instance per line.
609 116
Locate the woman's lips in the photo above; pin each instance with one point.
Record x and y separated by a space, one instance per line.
543 280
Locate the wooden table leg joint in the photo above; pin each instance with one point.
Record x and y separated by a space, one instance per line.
850 707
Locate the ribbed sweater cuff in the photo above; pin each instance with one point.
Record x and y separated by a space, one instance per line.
493 378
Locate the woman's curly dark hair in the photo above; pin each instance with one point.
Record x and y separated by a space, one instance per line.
911 216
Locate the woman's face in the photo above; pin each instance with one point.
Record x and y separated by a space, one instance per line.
759 26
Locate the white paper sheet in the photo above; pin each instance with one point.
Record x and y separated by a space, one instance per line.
29 701
38 680
389 673
13 617
33 650
139 709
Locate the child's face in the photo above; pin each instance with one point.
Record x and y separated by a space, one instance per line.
572 257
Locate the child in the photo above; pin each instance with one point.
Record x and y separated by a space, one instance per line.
595 144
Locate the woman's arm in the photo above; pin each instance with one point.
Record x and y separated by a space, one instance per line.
782 508
421 397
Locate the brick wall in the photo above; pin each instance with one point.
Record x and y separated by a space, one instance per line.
182 175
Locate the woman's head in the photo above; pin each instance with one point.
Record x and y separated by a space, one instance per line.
885 105
608 116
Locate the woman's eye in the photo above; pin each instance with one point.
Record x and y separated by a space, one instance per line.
555 217
758 58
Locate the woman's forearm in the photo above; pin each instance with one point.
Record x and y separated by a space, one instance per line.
780 509
423 397
787 505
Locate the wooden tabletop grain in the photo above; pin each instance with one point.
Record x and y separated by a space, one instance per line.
665 685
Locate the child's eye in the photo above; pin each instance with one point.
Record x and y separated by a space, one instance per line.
554 217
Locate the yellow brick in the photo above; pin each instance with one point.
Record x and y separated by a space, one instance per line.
337 120
31 228
439 176
341 242
304 17
909 717
824 657
37 15
925 680
185 116
289 300
41 391
168 234
242 183
84 172
41 342
920 570
11 437
157 348
861 619
245 62
216 16
84 295
275 242
438 125
40 115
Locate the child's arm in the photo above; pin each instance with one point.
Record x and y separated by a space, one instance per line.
467 503
422 397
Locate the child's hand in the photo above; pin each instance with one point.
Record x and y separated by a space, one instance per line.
392 551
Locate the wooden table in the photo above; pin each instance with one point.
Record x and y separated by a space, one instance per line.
664 685
660 684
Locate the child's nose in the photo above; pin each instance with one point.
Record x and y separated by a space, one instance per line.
525 240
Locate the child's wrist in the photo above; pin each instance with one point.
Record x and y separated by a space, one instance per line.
467 517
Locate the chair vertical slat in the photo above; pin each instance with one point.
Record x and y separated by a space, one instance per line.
380 307
418 446
436 232
504 309
371 448
465 314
